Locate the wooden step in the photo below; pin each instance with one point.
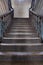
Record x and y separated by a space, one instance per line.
17 33
17 25
22 31
13 62
21 28
21 56
21 25
21 53
22 36
19 40
22 47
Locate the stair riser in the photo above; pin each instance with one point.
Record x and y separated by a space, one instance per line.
22 31
21 62
21 41
21 58
21 28
5 62
22 48
23 36
21 25
21 22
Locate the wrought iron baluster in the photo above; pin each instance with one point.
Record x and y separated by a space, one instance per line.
1 30
36 23
41 29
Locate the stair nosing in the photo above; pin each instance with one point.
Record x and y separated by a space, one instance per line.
20 38
22 33
21 27
20 44
21 53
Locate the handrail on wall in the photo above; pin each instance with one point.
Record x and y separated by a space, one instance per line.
37 21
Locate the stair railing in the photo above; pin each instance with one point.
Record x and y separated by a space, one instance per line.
37 22
5 22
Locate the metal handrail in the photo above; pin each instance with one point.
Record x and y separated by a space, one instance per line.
4 15
37 21
5 22
36 14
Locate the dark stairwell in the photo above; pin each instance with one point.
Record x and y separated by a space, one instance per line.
21 42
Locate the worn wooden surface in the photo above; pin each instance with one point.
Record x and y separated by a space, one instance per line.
22 63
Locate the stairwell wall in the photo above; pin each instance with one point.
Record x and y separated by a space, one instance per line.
3 7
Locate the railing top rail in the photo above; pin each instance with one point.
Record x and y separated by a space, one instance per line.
4 15
36 14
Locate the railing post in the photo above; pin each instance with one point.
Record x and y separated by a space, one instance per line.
41 29
37 24
1 30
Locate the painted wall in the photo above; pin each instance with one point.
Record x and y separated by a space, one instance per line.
3 6
21 8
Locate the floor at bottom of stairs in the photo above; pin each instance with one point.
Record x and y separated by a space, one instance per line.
22 63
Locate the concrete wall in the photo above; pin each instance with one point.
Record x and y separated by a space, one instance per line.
21 9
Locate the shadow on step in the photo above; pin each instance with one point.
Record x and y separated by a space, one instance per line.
22 63
27 63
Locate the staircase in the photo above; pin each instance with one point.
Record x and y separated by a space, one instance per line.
21 44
